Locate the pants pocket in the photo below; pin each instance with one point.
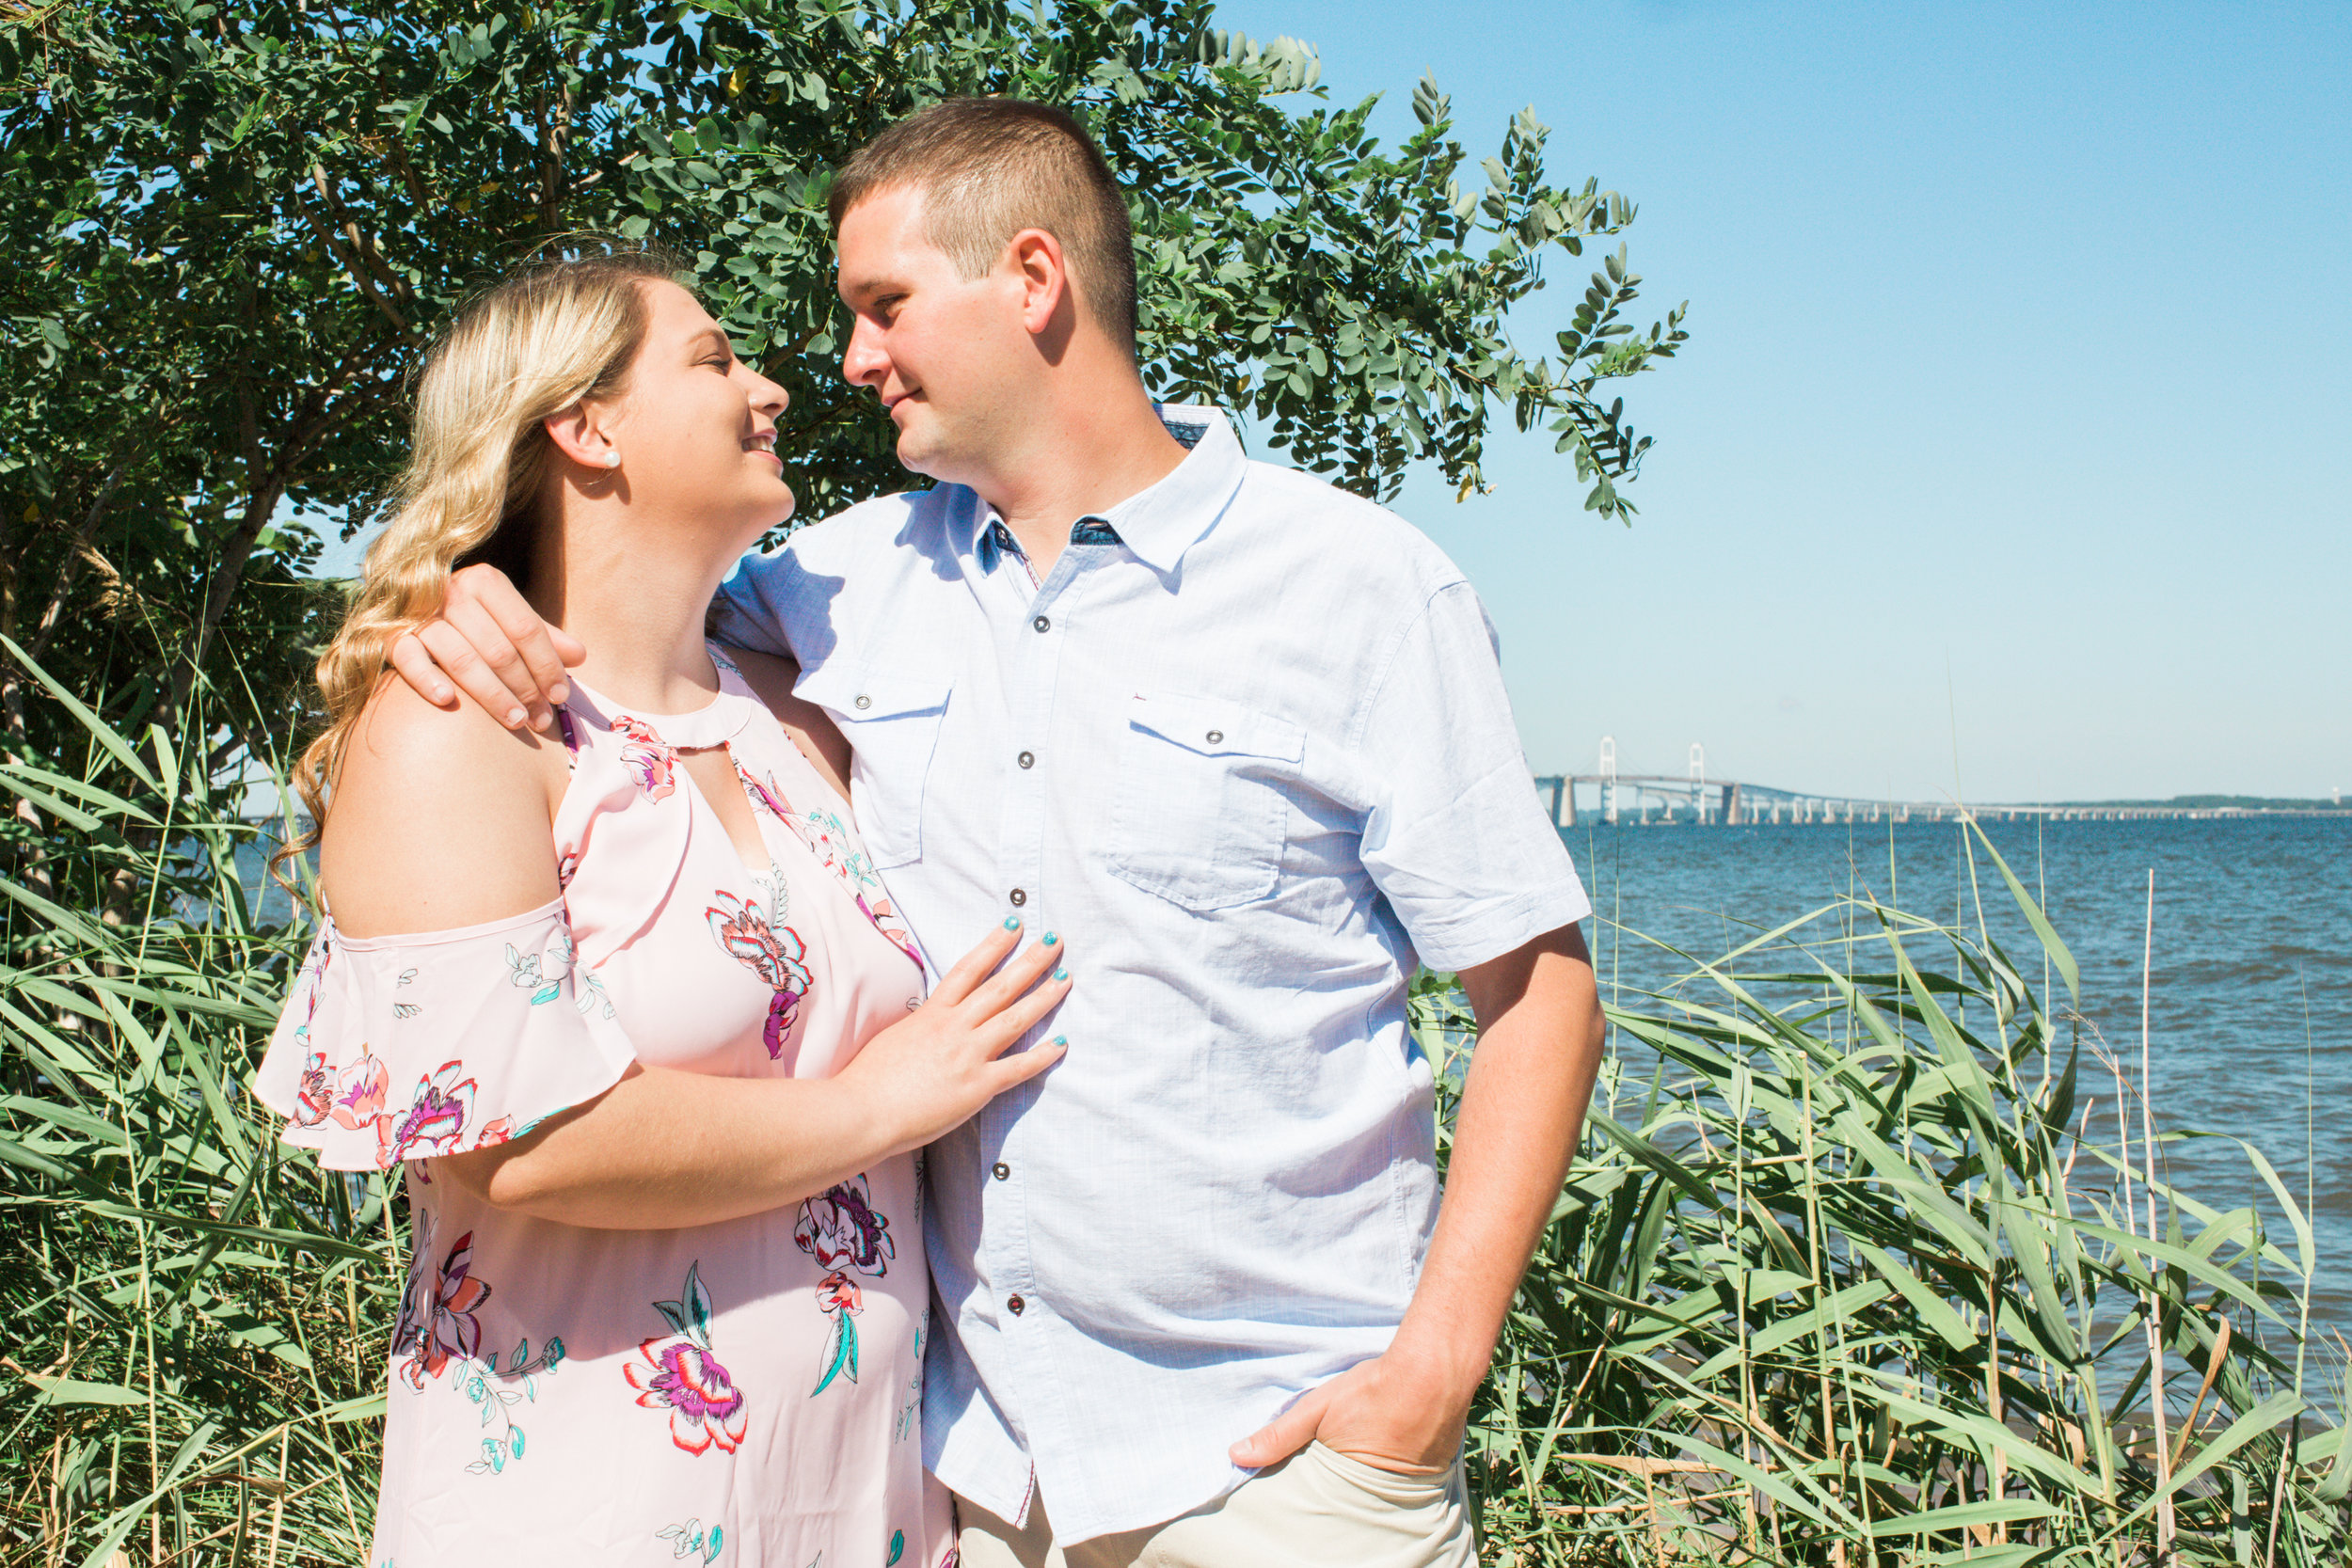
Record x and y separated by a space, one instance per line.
1395 1488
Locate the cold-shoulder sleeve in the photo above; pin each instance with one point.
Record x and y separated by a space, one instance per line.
413 1047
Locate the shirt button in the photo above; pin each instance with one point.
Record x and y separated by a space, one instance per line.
1217 737
1019 897
1016 1304
864 700
1028 759
1042 624
1002 1171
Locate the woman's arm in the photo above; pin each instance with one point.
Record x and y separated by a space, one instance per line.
663 1148
440 819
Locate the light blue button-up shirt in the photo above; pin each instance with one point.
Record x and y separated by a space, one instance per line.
1247 749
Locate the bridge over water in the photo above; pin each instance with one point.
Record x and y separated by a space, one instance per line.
1695 798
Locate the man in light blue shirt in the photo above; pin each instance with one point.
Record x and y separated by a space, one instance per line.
1241 738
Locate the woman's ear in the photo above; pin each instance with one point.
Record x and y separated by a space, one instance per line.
578 434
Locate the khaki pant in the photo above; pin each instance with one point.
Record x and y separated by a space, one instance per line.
1315 1509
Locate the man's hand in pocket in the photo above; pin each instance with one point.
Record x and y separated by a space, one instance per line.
1392 1412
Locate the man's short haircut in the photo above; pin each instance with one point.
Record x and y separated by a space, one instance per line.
989 167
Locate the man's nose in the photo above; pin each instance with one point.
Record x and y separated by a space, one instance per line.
863 362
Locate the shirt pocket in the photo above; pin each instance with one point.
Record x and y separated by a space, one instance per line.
892 725
1202 810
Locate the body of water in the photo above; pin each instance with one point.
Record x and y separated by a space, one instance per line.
2251 999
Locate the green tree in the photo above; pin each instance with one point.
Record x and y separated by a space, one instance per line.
237 225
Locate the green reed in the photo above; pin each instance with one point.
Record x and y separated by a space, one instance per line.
1845 1275
1858 1267
197 1320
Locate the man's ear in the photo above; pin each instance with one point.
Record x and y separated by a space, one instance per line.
578 434
1036 260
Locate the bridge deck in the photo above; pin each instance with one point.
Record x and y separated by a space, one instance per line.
1714 802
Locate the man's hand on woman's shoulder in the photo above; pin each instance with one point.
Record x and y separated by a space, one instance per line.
490 644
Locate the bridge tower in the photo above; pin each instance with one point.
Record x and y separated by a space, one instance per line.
1608 778
1698 784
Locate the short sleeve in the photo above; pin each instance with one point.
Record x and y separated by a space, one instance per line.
1455 838
753 606
413 1047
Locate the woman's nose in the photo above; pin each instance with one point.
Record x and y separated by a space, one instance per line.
765 395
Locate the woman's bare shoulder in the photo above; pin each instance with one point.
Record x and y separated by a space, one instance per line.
812 730
438 818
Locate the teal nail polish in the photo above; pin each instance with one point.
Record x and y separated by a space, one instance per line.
1062 1041
1012 923
1063 974
1049 939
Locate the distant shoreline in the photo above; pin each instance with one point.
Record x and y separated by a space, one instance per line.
2274 805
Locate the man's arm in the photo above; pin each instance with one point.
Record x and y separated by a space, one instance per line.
489 643
1522 1109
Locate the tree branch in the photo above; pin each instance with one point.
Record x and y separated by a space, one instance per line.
71 568
354 268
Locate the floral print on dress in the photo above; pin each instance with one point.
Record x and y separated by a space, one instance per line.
433 1122
774 953
845 1233
312 981
593 1000
647 756
680 1373
829 839
316 1091
352 1098
498 1393
439 1327
543 973
691 1540
436 1321
406 1010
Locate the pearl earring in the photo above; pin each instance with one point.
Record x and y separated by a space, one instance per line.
611 459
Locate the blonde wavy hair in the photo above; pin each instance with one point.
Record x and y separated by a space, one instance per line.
540 340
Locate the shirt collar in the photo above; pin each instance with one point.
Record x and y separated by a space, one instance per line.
1160 522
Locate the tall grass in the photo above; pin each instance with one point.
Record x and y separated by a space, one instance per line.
1847 1274
196 1324
1865 1263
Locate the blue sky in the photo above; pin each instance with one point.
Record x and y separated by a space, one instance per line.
2012 443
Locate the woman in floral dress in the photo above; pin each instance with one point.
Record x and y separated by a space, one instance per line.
628 1006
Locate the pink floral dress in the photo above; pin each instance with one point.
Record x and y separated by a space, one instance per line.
738 1394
